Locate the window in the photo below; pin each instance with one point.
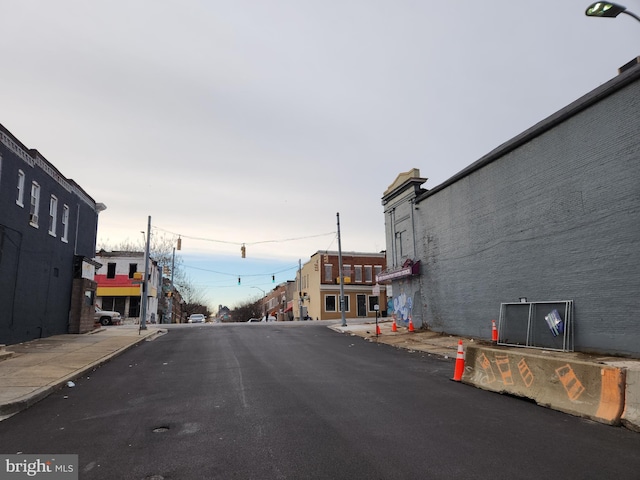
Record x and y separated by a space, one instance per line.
133 268
368 273
53 215
378 270
346 273
330 303
399 243
35 204
357 271
373 301
328 272
65 223
111 270
20 197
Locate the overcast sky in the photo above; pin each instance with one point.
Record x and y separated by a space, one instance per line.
256 121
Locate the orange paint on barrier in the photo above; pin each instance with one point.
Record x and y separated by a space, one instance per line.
611 395
525 373
570 382
485 364
502 361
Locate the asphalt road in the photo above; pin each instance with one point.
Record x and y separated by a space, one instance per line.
300 401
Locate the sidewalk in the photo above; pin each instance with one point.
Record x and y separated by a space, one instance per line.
420 341
30 371
601 388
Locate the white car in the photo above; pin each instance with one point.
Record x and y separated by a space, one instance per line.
269 318
107 317
196 318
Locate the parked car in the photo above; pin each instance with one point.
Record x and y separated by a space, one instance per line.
196 318
107 317
269 318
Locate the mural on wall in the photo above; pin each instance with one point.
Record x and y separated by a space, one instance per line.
402 307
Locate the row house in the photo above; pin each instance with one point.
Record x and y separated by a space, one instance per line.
48 228
120 281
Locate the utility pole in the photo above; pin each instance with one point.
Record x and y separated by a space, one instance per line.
342 312
300 286
143 307
173 266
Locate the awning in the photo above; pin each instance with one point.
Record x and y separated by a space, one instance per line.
409 269
289 307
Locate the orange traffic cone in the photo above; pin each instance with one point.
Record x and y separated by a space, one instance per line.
394 327
494 332
378 332
411 329
459 370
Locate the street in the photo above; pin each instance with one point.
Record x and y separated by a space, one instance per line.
300 401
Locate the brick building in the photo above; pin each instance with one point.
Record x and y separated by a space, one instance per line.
48 227
318 285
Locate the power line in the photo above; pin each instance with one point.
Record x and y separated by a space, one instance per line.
204 239
295 267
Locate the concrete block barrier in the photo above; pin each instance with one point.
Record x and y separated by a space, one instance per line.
556 380
631 414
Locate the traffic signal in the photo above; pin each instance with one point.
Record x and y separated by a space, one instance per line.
273 279
243 251
238 280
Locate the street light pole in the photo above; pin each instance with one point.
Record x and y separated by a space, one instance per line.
173 265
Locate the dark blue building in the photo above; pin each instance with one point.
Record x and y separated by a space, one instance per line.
48 227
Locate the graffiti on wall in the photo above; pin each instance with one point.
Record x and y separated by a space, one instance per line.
402 307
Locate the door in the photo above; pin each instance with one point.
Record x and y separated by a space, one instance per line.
362 305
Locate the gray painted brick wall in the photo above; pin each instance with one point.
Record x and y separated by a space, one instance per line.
556 219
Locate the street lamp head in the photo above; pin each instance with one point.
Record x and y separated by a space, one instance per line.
604 9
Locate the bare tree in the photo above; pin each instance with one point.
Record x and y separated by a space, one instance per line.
247 310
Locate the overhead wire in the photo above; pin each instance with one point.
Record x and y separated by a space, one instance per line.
204 239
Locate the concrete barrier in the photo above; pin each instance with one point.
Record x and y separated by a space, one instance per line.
631 414
560 381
